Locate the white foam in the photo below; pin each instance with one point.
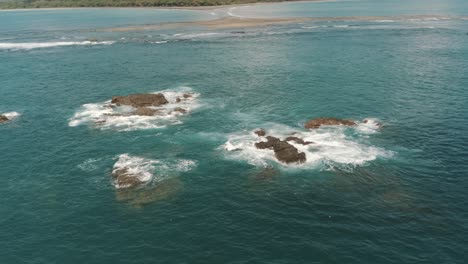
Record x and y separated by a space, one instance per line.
369 126
140 168
151 171
341 26
331 147
385 21
88 165
36 45
11 115
105 115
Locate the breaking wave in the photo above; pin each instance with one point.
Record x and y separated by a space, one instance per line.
11 115
332 146
150 171
37 45
105 115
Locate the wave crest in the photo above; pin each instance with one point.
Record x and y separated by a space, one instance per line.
37 45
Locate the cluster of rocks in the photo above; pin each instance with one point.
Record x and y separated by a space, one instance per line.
144 103
331 121
3 119
328 121
284 151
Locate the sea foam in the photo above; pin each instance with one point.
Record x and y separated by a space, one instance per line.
150 171
11 115
37 45
332 147
104 115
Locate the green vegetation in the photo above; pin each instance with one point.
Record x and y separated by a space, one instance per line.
120 3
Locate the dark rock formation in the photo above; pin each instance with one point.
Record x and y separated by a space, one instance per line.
145 111
298 140
140 100
261 132
3 119
328 121
284 151
180 110
124 179
187 95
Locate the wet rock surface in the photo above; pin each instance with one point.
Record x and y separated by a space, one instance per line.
376 122
298 140
284 151
3 119
145 111
328 121
180 110
260 132
124 179
140 100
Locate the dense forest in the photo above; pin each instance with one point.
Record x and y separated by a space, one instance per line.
120 3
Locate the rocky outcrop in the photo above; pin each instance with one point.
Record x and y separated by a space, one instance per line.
284 151
124 179
3 119
328 121
298 140
261 132
140 100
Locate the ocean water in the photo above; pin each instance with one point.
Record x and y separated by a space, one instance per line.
367 194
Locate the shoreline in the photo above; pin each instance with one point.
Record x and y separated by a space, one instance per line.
231 22
189 8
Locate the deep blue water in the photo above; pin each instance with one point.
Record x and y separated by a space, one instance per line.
391 195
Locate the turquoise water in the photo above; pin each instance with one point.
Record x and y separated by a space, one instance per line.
366 195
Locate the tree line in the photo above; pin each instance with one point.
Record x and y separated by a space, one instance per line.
120 3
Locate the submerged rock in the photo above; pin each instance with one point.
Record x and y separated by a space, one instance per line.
145 111
298 140
261 132
267 173
328 121
180 110
143 196
124 179
3 119
284 151
140 100
375 122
